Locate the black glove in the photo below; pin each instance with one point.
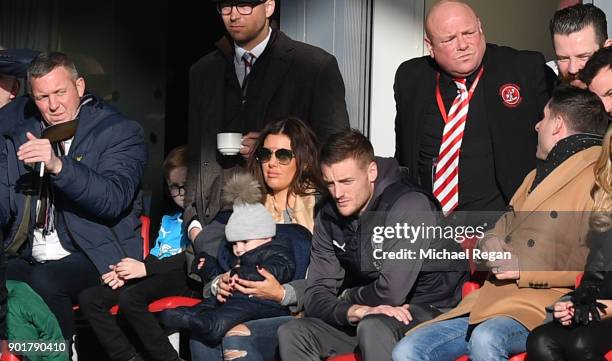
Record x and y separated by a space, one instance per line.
210 269
586 307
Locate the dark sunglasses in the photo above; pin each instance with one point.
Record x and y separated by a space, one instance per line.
283 156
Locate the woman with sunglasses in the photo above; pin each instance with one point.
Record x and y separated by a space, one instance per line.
582 325
285 161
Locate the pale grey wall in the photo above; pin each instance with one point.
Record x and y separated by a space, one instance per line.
397 36
606 6
521 24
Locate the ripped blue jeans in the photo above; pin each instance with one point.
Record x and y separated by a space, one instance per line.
493 340
260 344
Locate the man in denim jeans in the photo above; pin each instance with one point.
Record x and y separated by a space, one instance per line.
545 231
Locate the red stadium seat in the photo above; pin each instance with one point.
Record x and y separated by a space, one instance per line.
519 357
468 287
579 279
345 357
166 303
6 355
144 232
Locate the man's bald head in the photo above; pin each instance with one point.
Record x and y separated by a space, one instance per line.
445 8
454 38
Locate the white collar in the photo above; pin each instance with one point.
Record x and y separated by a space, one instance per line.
257 50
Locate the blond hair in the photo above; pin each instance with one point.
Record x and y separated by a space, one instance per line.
601 219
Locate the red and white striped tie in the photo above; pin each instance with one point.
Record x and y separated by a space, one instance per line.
446 184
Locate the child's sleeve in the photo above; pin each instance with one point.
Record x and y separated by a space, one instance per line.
280 262
209 270
154 265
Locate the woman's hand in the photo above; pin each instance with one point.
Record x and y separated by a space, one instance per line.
564 312
268 289
605 312
224 290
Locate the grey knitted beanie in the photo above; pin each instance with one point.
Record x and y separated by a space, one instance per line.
250 219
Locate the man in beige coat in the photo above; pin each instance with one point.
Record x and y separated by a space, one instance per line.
544 230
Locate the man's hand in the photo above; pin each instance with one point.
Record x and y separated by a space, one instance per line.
357 312
508 275
490 243
268 289
130 268
564 312
248 144
39 150
503 269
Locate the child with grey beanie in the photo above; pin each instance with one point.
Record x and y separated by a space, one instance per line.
251 233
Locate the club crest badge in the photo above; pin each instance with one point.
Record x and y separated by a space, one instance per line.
510 95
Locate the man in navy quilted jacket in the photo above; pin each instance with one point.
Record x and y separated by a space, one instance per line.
71 171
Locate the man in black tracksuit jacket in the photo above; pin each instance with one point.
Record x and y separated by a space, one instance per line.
348 279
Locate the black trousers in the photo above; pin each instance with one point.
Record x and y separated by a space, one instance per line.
311 339
554 341
133 300
210 319
59 283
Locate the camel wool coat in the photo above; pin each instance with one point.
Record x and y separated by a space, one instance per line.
546 229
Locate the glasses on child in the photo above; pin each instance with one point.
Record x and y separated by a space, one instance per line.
283 156
176 190
225 8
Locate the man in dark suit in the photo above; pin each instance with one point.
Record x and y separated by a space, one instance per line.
489 139
255 76
577 32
